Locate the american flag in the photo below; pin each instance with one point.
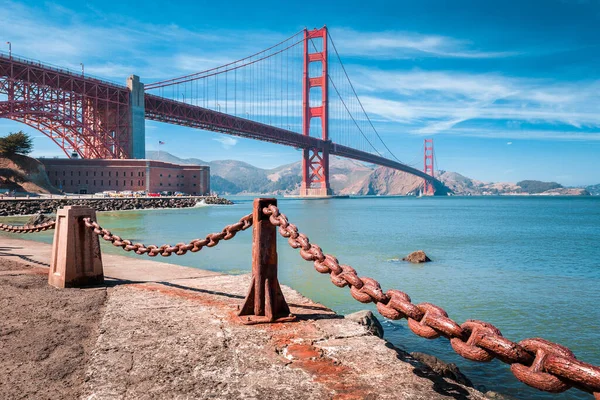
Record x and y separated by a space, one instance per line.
161 142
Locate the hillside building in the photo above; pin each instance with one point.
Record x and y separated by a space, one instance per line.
87 176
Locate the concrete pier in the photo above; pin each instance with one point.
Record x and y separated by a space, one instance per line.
165 331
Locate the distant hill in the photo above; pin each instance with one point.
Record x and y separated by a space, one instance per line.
354 178
238 177
535 187
593 189
385 181
24 174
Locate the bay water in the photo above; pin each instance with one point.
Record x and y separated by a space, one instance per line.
528 265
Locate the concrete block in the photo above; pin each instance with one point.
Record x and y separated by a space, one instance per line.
76 258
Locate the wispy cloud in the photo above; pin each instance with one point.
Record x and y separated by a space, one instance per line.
431 102
393 44
114 47
226 141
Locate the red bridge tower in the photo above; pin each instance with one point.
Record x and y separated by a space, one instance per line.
315 162
428 167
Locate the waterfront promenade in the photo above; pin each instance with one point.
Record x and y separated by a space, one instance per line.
158 330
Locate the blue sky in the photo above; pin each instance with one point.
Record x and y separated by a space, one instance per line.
509 90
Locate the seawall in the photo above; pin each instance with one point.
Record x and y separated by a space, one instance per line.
24 206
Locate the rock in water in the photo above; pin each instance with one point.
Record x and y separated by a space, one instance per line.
366 318
447 370
417 257
39 219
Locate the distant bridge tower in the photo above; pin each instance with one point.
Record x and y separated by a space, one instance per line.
315 162
428 167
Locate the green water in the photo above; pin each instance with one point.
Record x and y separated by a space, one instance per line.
529 265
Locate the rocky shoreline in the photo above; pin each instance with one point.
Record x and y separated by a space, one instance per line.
12 207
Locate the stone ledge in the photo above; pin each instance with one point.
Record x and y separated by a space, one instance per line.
167 331
183 339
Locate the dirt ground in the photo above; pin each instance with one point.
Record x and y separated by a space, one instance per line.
46 335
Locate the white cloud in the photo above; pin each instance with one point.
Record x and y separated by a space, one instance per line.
508 143
114 46
393 44
432 102
226 141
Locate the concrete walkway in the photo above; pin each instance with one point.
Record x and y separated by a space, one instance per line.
172 332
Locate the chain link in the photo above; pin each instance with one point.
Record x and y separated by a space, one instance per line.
28 228
538 363
166 250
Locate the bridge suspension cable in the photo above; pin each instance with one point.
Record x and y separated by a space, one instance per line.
265 87
354 94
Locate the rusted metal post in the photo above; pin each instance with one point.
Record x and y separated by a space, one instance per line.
265 302
76 258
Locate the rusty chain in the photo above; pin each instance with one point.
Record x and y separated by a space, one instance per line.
28 228
166 250
536 362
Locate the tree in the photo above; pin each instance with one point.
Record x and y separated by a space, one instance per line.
16 142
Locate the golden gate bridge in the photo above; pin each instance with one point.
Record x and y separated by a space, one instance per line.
295 93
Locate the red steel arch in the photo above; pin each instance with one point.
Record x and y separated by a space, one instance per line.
82 115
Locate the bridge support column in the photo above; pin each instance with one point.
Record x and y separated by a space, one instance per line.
137 117
315 173
315 162
428 167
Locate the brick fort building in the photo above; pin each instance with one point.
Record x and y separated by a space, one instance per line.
86 176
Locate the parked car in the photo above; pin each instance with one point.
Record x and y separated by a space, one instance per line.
153 194
165 193
180 194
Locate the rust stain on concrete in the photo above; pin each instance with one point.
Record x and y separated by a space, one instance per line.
342 380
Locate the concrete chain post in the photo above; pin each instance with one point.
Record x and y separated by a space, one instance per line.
76 257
